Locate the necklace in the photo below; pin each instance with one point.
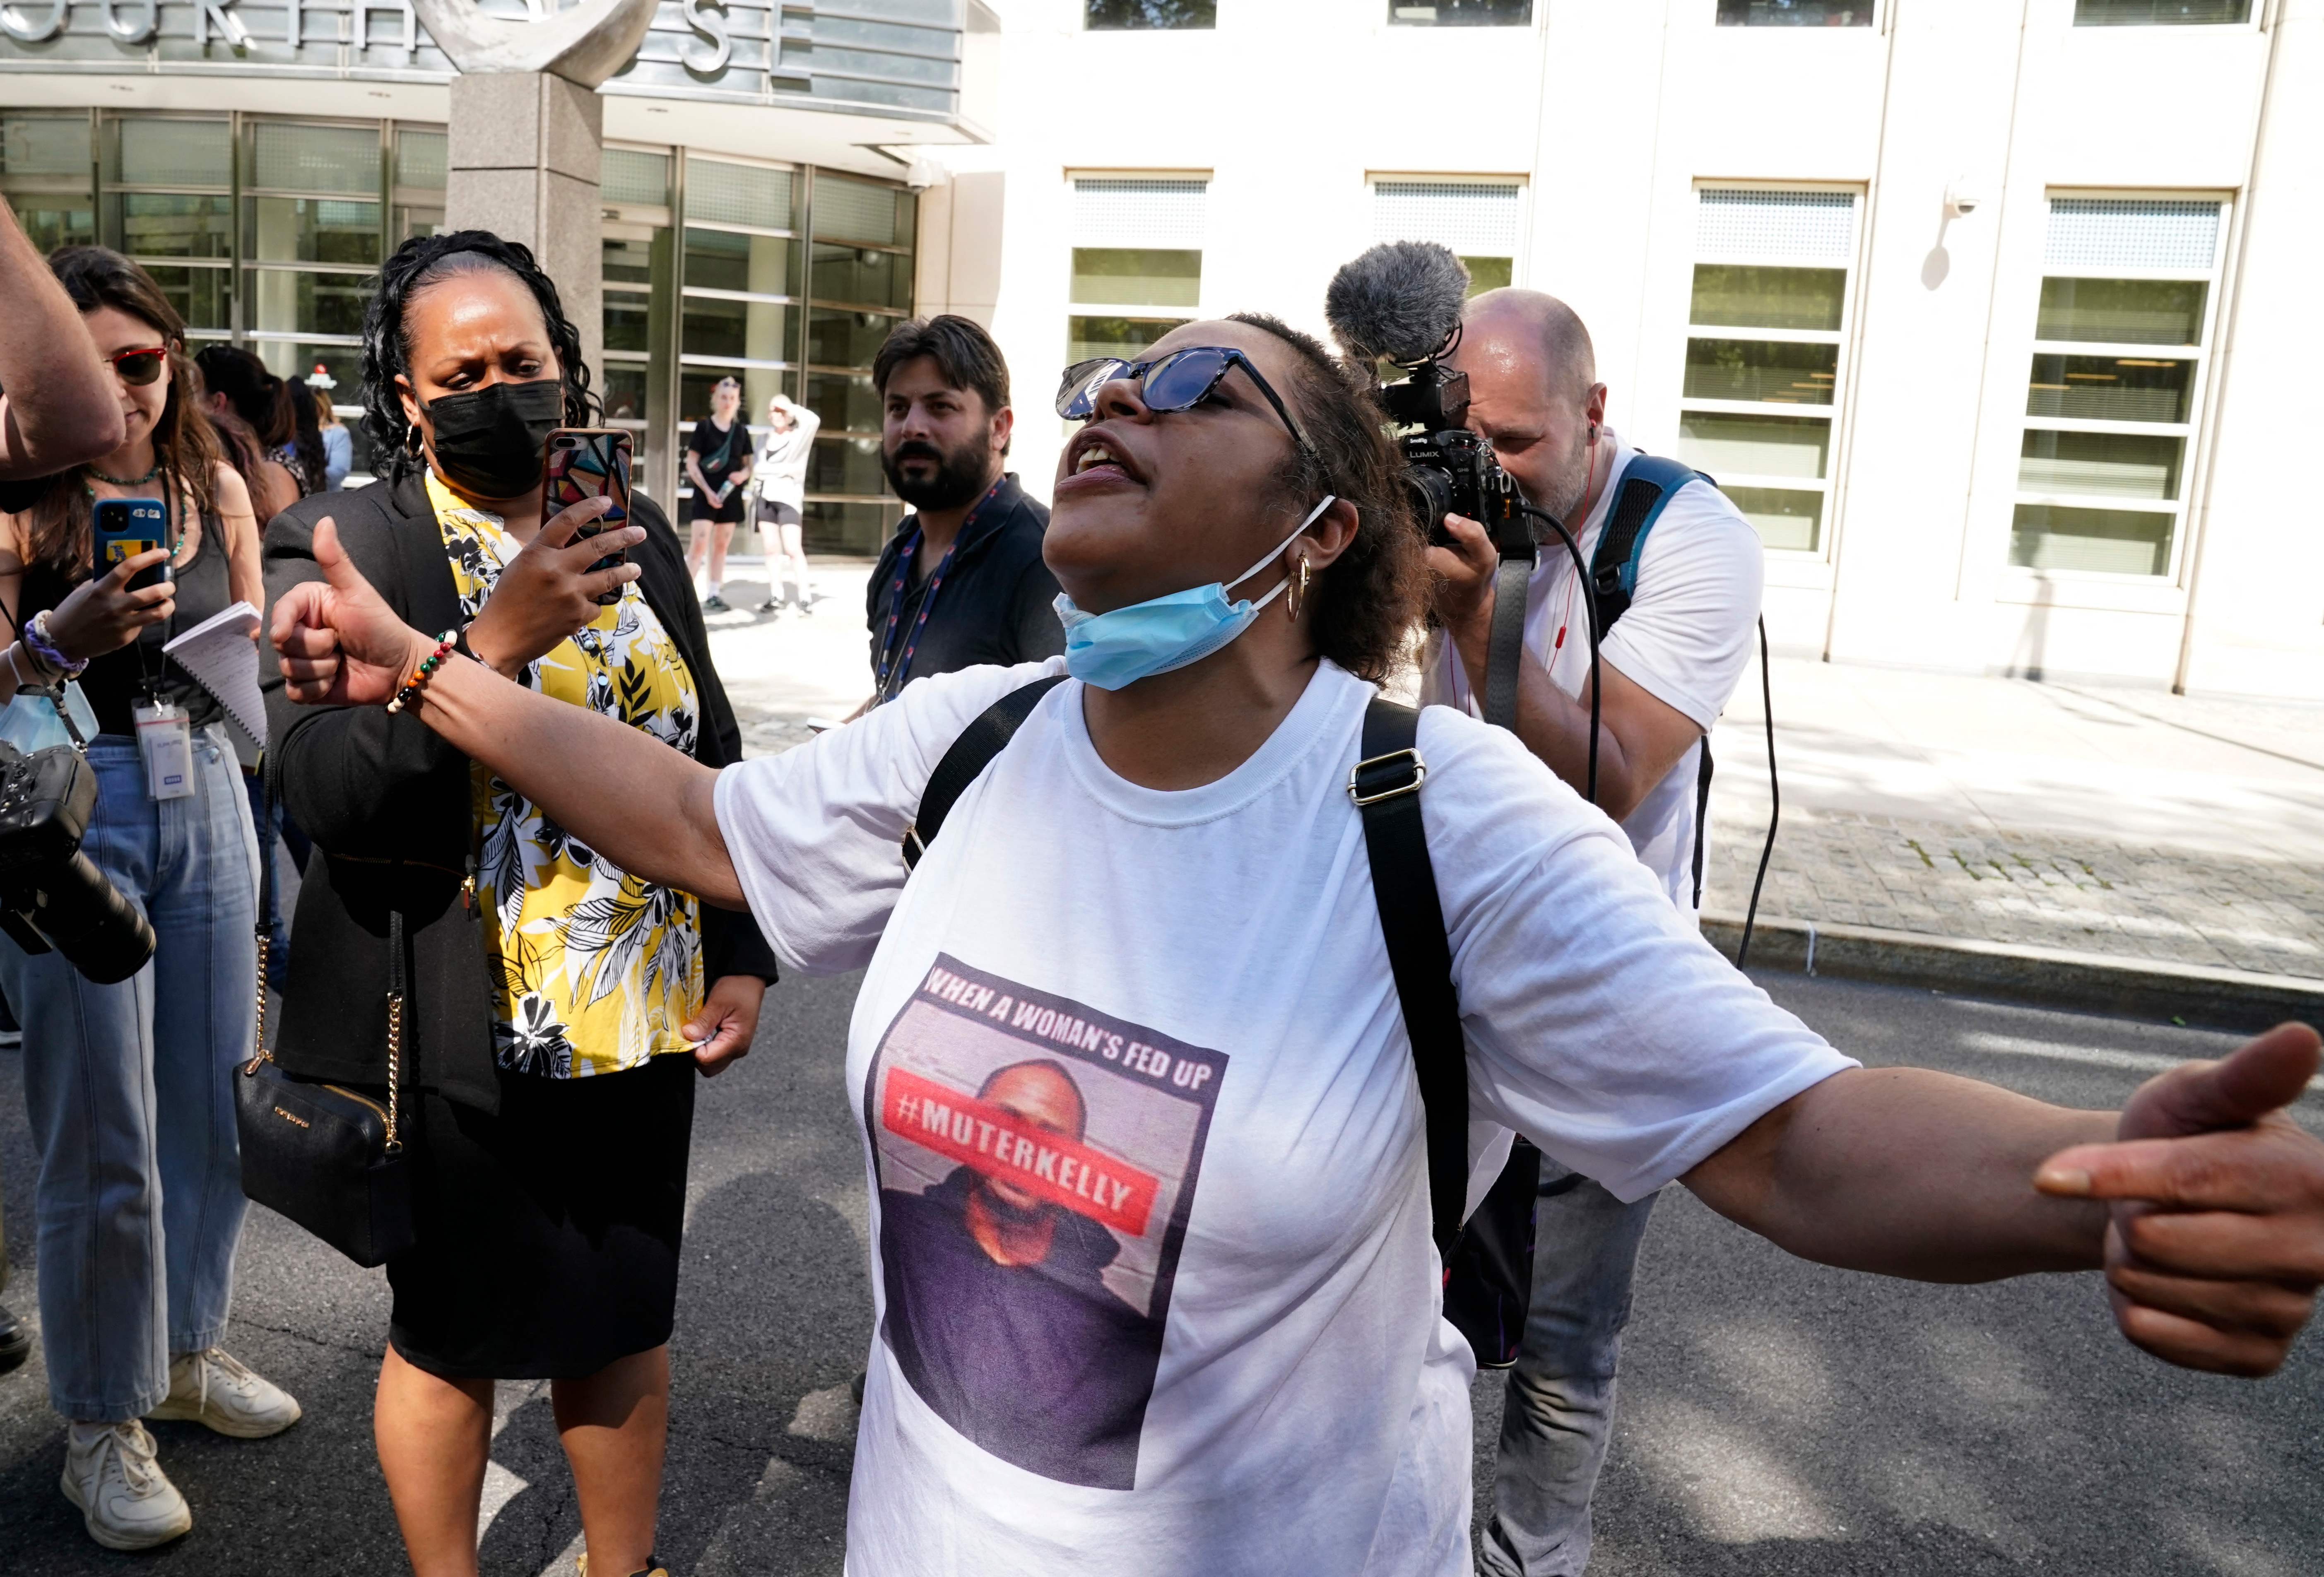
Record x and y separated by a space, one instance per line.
151 472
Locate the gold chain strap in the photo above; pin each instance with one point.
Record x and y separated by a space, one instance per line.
394 1066
265 945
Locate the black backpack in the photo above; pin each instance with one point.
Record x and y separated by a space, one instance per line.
1488 1272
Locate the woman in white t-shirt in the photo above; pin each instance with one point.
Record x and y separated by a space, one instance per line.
1154 1279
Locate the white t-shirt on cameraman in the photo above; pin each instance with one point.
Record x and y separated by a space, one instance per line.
1685 638
1154 1035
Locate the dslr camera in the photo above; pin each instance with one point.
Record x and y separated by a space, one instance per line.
1400 303
53 895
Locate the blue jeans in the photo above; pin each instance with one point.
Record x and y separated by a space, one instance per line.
1558 1412
138 1204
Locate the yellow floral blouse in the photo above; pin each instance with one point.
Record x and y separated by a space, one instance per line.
598 969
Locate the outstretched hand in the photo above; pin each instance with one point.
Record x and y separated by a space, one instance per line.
341 644
2215 1248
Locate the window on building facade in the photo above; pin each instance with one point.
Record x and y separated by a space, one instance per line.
419 185
1767 337
784 278
168 202
2112 399
1795 13
46 169
312 239
859 288
2158 12
1480 220
1460 13
639 276
1137 262
1106 15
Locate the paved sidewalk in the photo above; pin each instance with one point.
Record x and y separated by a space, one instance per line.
2131 823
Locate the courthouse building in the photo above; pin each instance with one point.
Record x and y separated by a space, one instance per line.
1993 316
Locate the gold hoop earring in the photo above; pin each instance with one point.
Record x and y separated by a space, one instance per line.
1297 597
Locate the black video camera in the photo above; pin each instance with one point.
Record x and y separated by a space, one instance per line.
1450 469
53 895
1400 302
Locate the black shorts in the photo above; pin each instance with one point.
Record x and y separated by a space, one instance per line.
548 1235
771 513
728 513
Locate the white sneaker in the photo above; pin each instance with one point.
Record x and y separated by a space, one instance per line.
211 1387
127 1501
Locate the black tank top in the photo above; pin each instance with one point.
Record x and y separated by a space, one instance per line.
117 681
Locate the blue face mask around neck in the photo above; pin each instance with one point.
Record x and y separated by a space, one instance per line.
1114 650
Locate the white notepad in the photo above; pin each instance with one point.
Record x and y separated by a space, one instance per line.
220 653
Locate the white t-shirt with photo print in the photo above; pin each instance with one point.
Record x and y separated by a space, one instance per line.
1152 1263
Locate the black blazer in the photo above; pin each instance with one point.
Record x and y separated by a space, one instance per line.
386 802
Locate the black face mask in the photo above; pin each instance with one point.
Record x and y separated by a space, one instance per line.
493 441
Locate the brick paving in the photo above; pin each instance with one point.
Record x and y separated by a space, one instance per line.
2050 889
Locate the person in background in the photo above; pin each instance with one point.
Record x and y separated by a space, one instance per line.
338 444
127 1087
718 463
304 455
1670 665
67 412
779 476
246 404
961 582
558 1023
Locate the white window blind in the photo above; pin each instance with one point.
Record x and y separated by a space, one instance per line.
1802 227
2112 233
632 176
1474 218
719 193
1139 212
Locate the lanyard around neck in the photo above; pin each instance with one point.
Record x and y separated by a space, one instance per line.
886 680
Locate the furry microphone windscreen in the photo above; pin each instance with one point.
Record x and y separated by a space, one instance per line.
1400 300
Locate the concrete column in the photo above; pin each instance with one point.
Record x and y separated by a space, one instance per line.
524 156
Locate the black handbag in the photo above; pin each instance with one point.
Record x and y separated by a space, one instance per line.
328 1158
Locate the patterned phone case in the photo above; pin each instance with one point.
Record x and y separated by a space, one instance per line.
590 461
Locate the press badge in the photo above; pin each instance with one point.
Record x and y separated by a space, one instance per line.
165 741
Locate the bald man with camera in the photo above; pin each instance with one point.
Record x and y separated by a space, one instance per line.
1670 661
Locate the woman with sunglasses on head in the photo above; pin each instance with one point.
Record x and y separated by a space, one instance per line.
718 464
558 1010
1150 1224
778 478
139 1202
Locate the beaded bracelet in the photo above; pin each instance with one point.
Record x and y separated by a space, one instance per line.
427 666
44 646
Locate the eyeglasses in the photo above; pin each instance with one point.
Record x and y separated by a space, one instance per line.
138 368
1178 382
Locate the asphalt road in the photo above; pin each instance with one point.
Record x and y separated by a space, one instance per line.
1776 1417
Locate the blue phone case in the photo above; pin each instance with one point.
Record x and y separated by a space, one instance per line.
123 528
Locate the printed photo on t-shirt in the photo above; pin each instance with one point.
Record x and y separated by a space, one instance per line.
1035 1163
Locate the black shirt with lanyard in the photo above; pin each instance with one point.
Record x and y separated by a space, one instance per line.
891 669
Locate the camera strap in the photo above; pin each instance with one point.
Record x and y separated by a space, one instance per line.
1505 643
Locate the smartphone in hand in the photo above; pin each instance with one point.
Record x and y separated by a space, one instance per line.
123 528
585 462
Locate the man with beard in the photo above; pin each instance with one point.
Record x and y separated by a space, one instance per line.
962 582
1668 668
998 1312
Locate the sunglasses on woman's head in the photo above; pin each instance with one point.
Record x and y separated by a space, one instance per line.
1179 381
138 368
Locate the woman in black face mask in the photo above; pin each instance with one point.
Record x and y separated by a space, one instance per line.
557 1009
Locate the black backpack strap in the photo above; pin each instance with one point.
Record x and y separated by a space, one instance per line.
1648 482
984 738
1384 787
1702 814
